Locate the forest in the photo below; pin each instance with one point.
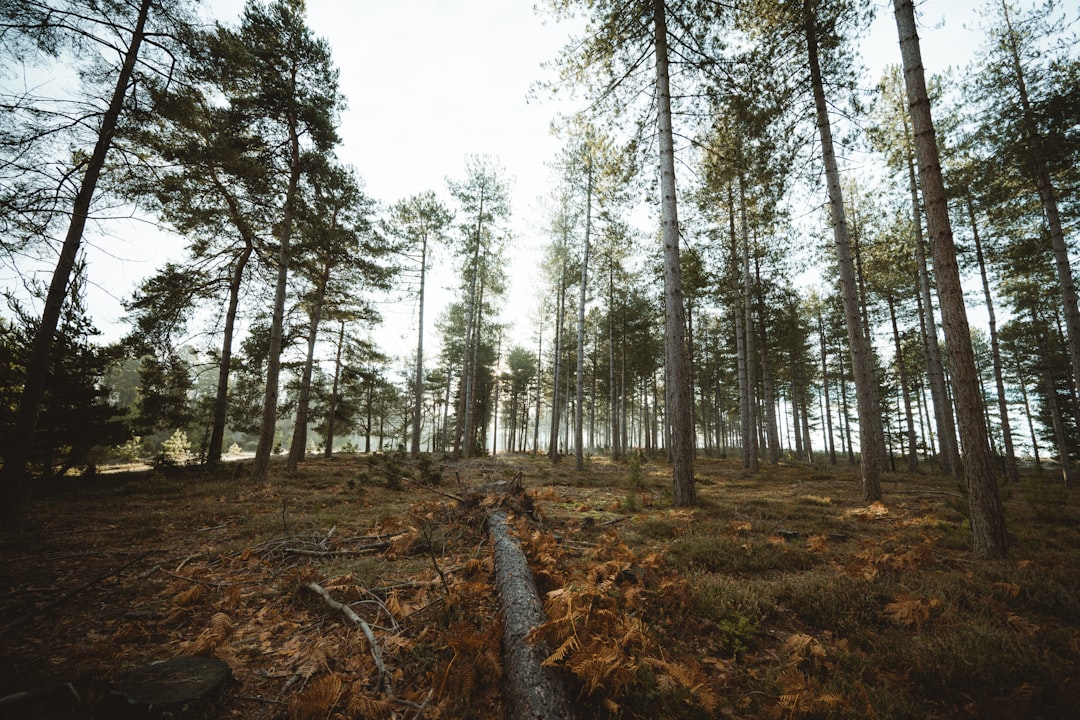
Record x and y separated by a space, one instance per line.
801 335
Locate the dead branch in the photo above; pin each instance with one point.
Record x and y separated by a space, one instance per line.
362 550
435 490
350 614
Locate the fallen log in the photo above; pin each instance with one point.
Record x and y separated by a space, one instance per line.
534 692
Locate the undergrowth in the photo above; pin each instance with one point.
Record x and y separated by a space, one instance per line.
782 595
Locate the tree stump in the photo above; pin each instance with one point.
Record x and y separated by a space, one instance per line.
534 692
183 688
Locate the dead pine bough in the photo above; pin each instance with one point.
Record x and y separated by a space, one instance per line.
534 691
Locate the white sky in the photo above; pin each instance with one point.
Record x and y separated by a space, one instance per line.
432 81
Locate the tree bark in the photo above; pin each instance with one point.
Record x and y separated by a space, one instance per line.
939 395
556 405
221 400
681 421
261 466
418 380
534 692
866 389
750 434
1011 470
17 447
905 391
328 451
987 515
825 390
298 447
579 404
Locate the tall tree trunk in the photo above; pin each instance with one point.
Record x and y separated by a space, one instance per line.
864 307
556 405
866 389
746 430
221 398
471 444
539 370
495 402
847 446
905 391
418 379
616 447
987 515
768 382
298 446
18 443
1030 422
1011 470
681 420
825 390
579 402
328 451
261 466
753 415
939 395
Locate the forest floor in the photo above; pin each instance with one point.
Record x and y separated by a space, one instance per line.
781 595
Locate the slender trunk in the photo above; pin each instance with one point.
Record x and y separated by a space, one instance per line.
752 416
864 306
825 391
866 390
1055 414
539 366
328 452
261 466
805 403
471 443
848 446
740 344
221 399
495 401
18 444
556 407
1030 422
1011 470
987 515
418 379
468 359
298 447
912 456
681 421
939 396
768 385
579 402
616 448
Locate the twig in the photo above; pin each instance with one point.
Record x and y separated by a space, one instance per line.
338 553
616 521
351 615
185 561
435 490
